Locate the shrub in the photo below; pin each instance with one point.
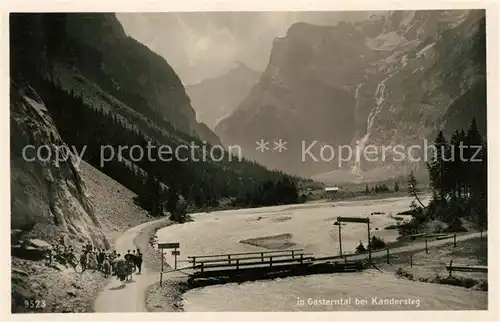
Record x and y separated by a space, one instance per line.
455 225
360 248
437 227
377 243
403 273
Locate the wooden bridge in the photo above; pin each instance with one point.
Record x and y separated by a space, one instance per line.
238 263
258 264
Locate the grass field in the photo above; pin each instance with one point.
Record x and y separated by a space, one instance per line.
430 267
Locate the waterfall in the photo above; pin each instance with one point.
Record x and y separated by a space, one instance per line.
379 100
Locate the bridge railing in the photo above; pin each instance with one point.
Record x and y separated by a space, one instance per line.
232 257
240 262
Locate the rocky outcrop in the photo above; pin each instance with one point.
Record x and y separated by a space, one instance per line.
32 249
49 198
396 78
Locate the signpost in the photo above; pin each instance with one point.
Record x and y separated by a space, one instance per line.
369 242
175 252
168 245
340 220
353 219
340 238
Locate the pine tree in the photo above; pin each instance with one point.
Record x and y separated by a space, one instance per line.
439 167
477 175
475 157
456 167
413 189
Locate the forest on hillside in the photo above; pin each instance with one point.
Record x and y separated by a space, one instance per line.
162 185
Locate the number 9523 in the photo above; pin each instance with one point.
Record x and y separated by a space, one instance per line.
34 304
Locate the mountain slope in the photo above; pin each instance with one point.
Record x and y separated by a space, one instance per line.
99 47
389 80
216 98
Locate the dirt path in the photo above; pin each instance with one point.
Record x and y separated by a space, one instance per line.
131 298
418 246
421 245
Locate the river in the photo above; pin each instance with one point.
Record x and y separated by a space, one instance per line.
310 227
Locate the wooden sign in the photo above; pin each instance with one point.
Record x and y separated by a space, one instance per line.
176 252
353 219
168 245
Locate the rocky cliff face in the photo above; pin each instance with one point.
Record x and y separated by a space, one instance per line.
49 198
216 98
396 78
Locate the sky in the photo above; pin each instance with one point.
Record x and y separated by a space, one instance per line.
200 45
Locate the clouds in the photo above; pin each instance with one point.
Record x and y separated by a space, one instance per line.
199 45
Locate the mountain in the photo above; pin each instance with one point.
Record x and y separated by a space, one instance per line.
207 43
216 98
394 79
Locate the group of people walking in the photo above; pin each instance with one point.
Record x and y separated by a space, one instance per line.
111 262
61 254
131 262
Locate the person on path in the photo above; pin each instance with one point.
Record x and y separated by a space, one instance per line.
70 257
121 269
100 258
59 255
129 258
83 260
106 267
114 257
93 261
138 262
49 256
130 265
134 260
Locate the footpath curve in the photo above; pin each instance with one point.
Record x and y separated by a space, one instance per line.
131 298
